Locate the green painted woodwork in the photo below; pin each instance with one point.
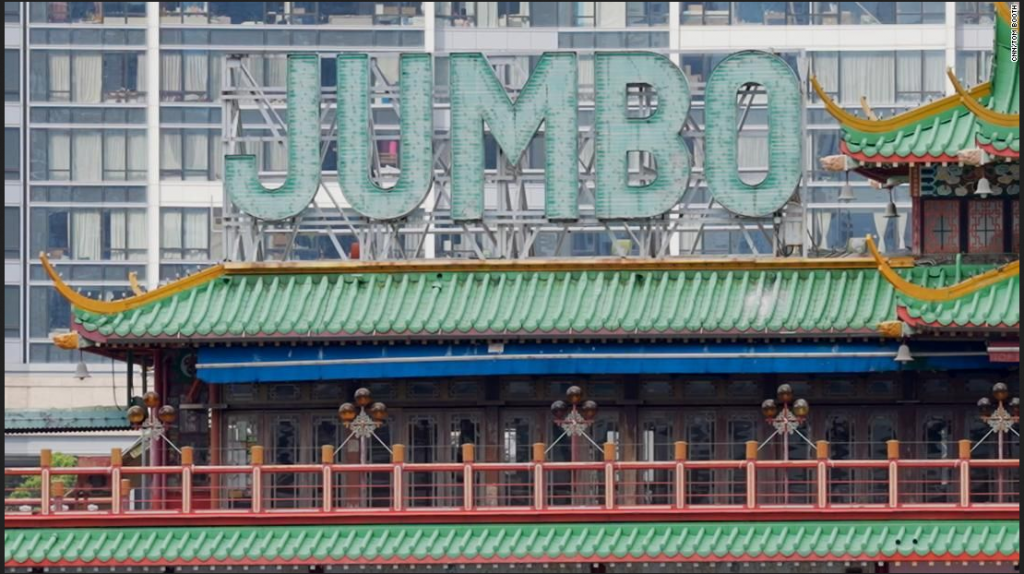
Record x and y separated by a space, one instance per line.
618 134
996 306
355 137
64 420
785 138
241 175
578 303
549 97
782 541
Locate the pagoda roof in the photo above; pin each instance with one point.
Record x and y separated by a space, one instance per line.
510 544
571 299
986 117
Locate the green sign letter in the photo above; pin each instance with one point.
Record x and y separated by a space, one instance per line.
659 134
785 144
550 96
355 137
241 176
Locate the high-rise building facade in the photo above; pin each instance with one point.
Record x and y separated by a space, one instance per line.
113 124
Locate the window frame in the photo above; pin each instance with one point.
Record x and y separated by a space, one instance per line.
12 226
12 63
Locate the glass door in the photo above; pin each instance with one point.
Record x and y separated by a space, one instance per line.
286 488
424 448
518 433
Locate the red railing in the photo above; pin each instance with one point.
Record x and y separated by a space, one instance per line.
679 489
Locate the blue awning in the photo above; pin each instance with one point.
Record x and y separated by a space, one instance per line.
350 362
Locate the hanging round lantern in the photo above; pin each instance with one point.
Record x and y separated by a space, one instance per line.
801 408
151 400
347 413
379 412
770 409
574 395
1001 392
785 394
136 416
167 414
364 398
559 409
985 407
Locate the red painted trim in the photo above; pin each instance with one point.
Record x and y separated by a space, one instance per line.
949 557
904 315
991 150
891 159
504 516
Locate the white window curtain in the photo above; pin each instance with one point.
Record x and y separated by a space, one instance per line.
197 153
141 73
60 156
137 158
170 150
197 75
753 155
115 152
870 74
60 77
88 77
197 235
935 72
277 71
137 236
610 14
118 236
909 75
170 72
171 235
826 69
87 153
85 235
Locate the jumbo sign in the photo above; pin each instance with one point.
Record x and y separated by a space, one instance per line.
549 98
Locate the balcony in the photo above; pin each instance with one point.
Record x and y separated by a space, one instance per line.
400 492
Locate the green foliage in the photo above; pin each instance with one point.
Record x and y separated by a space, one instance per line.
31 487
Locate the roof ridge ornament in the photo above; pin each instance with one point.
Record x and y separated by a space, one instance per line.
970 101
944 294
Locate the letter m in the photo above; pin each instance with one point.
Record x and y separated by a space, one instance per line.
550 96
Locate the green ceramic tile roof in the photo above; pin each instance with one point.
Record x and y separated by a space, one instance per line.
238 307
397 544
997 306
64 420
949 133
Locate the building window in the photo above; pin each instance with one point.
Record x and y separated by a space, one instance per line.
346 14
803 13
12 154
191 154
189 76
770 13
974 12
643 14
12 312
88 13
974 68
185 235
88 155
884 78
89 234
12 233
12 76
88 77
12 12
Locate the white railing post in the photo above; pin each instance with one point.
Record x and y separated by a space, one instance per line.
257 479
752 475
609 475
398 477
45 462
823 473
893 447
188 461
682 454
116 461
468 481
539 488
965 473
327 478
